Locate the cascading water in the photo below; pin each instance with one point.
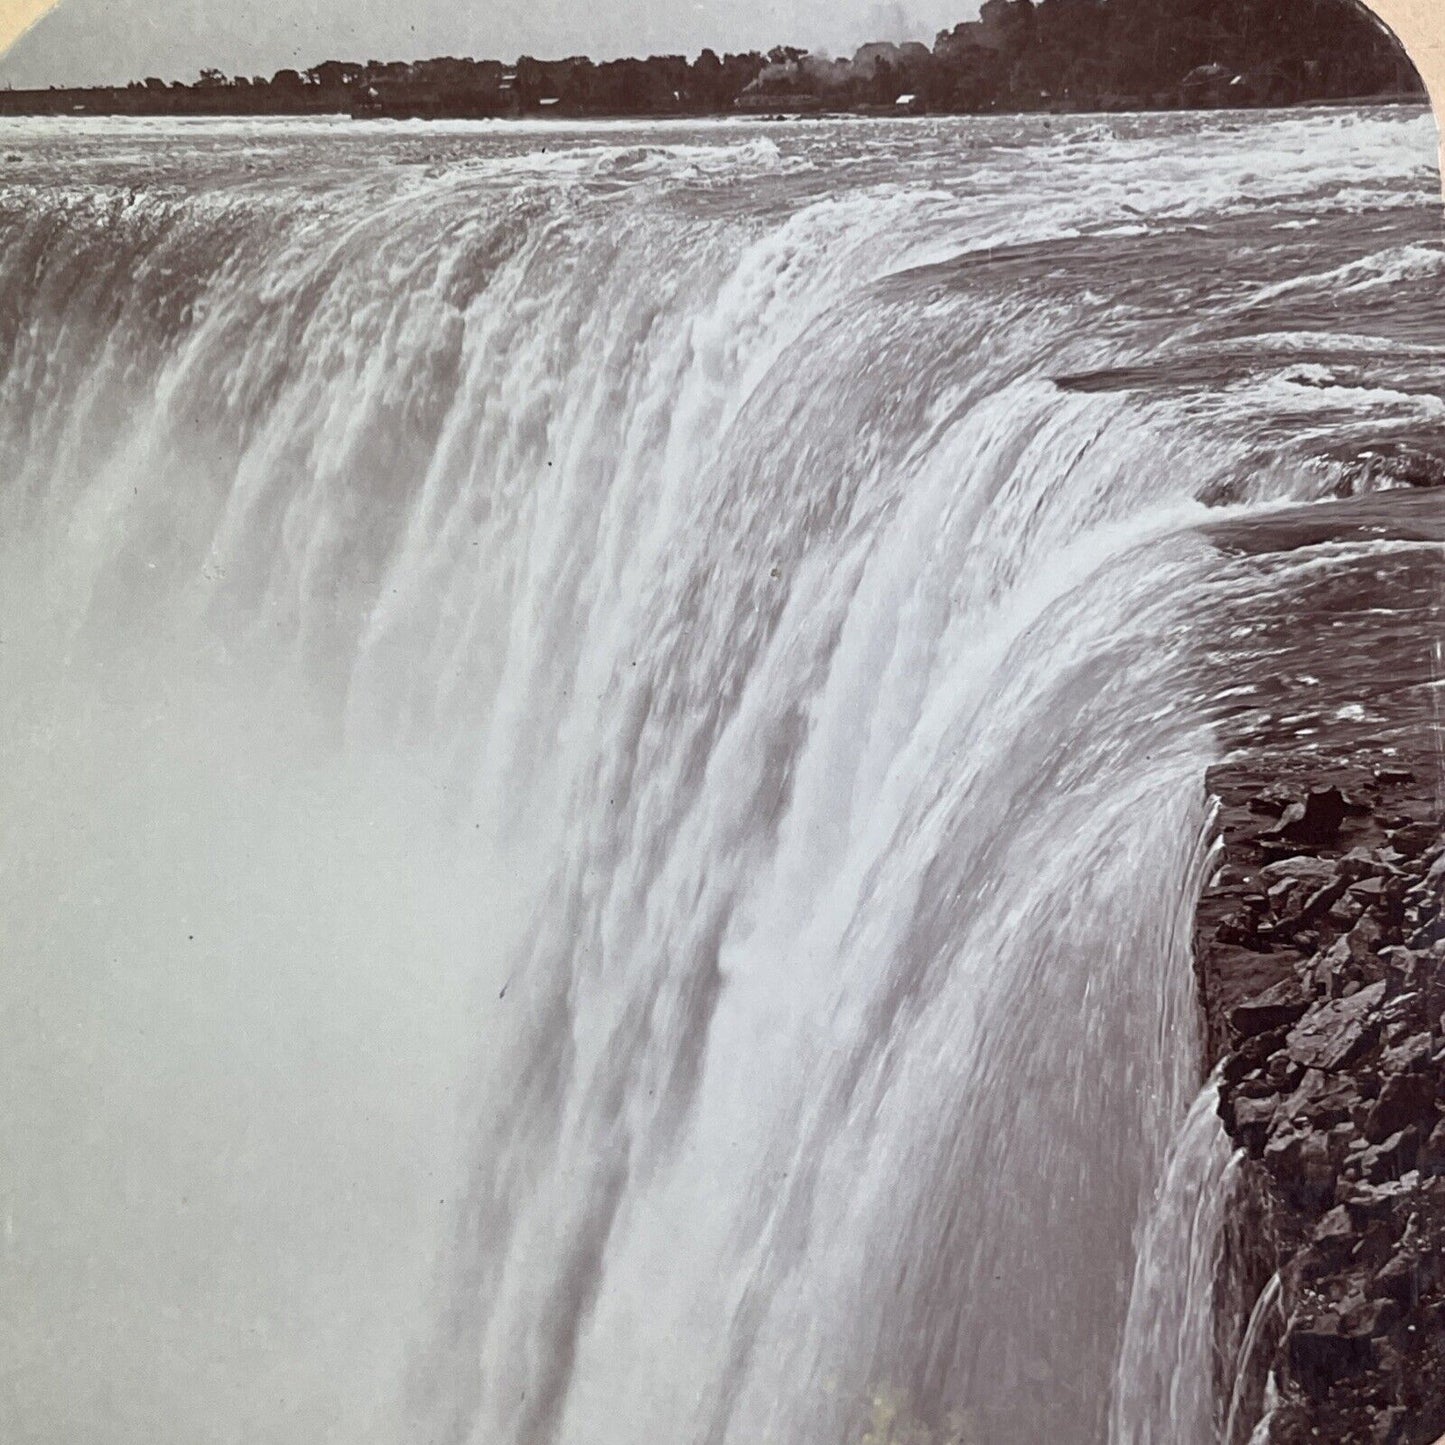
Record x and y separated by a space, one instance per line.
605 735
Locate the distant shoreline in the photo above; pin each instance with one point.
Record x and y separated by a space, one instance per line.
118 102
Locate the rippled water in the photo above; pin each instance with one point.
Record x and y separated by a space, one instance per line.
604 738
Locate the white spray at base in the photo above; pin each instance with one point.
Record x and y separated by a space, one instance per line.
632 638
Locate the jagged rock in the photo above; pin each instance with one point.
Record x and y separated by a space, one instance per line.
1335 1227
1333 1034
1413 1056
1251 1119
1325 1351
1341 1108
1269 802
1405 1099
1363 939
1432 1152
1282 1073
1399 1280
1390 1159
1321 1100
1275 1008
1376 1245
1413 839
1368 891
1346 913
1279 893
1316 821
1373 1317
1299 1162
1317 904
1390 776
1375 1201
1300 866
1357 865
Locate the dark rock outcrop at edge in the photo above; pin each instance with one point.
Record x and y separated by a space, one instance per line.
1320 952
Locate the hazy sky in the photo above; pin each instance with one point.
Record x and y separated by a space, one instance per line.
107 40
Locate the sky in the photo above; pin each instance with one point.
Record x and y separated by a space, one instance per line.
105 41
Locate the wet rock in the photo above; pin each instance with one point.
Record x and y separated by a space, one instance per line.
1250 1119
1413 1055
1332 1035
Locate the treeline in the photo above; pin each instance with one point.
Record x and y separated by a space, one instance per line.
1019 55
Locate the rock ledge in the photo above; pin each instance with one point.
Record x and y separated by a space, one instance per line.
1320 951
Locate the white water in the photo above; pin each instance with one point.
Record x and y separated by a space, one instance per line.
603 776
1167 1373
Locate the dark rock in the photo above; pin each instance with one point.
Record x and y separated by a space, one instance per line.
1363 940
1357 865
1413 1056
1332 1035
1335 1227
1373 1317
1391 776
1325 1351
1399 1280
1271 803
1368 891
1275 1008
1376 1246
1316 821
1321 1100
1389 1425
1405 1099
1282 1073
1390 1159
1346 913
1376 1201
1251 1119
1318 903
1432 1153
1414 839
1299 1162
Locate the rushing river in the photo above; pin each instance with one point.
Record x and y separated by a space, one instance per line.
603 735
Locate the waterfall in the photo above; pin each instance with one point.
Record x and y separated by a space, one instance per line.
1166 1377
624 637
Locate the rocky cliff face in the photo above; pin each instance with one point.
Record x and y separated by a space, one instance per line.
1321 959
